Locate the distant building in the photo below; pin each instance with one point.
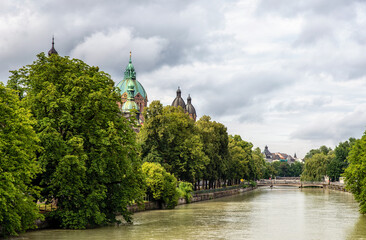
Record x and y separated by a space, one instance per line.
272 157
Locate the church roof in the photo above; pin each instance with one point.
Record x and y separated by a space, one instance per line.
52 50
189 107
178 101
130 78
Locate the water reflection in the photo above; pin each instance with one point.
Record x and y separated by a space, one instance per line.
279 213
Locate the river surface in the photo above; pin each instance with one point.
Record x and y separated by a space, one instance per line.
279 213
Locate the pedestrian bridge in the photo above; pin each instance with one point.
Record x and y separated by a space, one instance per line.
289 182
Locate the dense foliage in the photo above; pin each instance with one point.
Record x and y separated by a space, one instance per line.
215 139
88 158
338 164
283 169
169 137
18 166
316 166
355 172
161 185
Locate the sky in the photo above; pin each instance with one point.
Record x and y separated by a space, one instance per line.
287 74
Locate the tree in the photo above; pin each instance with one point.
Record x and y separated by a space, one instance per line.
316 167
240 155
18 166
296 169
89 162
355 172
323 149
169 137
257 165
339 163
215 139
161 185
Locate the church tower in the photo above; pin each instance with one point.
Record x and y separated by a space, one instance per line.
178 101
190 109
130 104
139 93
52 50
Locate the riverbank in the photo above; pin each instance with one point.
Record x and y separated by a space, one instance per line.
196 197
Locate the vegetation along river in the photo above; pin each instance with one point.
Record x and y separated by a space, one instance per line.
279 213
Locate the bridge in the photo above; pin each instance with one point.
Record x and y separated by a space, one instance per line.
289 182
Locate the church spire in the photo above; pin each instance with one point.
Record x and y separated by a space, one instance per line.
52 50
130 70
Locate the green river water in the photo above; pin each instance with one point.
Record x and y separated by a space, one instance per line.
279 213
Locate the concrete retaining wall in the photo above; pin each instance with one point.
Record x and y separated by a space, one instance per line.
198 197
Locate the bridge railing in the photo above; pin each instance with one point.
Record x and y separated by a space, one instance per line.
297 181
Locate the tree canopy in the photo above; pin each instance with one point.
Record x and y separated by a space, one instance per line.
355 172
18 166
215 139
169 137
339 163
161 185
88 158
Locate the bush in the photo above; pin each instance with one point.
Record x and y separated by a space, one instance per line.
185 191
161 185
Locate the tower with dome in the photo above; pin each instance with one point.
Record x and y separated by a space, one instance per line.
137 92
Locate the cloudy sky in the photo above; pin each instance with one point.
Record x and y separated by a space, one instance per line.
284 73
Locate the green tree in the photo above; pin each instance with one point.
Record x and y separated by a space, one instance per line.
18 166
323 149
355 172
257 165
339 163
215 139
170 138
316 167
240 155
270 171
161 185
296 169
89 161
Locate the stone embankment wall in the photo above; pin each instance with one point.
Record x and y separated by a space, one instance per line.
336 186
197 197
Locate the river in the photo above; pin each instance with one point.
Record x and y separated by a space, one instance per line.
279 213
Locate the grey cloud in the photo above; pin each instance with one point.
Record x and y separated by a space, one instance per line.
334 128
304 105
291 8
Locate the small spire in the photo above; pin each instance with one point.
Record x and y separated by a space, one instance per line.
130 57
52 50
189 99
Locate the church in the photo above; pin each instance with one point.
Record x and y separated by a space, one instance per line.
133 94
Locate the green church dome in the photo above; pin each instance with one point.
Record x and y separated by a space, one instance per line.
130 78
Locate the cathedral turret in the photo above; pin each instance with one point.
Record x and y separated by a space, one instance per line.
178 101
140 96
52 50
130 104
190 109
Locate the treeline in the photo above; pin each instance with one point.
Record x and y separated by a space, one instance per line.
327 162
63 140
201 153
348 159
